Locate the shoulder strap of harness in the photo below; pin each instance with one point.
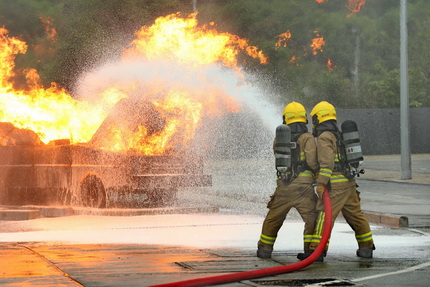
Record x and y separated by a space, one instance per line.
297 165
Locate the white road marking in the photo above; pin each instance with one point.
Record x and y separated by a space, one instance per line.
409 269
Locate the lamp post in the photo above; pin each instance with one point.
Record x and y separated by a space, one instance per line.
405 148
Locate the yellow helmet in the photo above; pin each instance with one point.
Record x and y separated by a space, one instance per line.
294 112
322 112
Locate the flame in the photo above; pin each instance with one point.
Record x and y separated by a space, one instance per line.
176 109
51 113
317 44
355 6
330 65
294 60
9 48
283 39
50 30
182 40
184 111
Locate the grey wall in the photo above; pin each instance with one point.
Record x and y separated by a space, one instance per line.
242 135
379 129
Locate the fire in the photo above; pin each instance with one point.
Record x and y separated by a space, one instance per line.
189 114
283 39
169 113
182 40
294 60
9 48
355 6
51 113
330 65
317 44
50 30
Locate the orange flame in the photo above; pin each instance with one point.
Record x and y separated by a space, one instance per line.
182 40
51 113
330 65
294 60
317 44
283 39
177 108
50 31
355 6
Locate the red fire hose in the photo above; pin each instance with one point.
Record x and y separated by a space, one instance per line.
246 275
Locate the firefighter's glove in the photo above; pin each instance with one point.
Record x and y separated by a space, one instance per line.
319 190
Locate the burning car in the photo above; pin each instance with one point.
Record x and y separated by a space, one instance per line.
82 174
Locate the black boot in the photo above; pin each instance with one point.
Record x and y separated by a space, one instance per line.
264 252
365 252
307 253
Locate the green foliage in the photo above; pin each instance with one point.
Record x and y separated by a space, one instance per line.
363 47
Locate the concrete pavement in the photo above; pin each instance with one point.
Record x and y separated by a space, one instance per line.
389 200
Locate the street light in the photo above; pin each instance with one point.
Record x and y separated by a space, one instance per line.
405 148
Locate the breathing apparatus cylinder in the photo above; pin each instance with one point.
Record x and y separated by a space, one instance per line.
283 152
351 141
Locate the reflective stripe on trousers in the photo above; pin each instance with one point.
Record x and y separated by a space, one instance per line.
364 237
319 228
267 239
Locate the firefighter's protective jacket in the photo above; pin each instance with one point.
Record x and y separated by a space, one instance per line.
328 159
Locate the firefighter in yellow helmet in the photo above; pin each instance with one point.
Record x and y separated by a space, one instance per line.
299 192
344 196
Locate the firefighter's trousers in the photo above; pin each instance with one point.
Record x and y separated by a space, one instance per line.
346 199
295 195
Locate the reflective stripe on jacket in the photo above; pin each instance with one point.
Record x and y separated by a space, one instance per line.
327 158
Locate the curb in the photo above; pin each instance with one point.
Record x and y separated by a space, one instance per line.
19 214
388 220
395 181
48 211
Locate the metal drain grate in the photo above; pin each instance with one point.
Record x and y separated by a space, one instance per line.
236 265
304 282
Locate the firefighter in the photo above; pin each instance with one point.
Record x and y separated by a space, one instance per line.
299 192
344 196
